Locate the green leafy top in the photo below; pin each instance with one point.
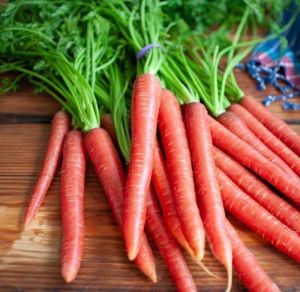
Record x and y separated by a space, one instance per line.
63 48
141 24
215 19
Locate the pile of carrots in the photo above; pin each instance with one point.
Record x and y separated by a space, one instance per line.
187 155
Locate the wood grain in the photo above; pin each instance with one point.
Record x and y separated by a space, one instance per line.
29 259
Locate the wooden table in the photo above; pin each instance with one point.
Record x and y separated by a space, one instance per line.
29 259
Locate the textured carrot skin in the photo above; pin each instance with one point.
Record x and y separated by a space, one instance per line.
237 126
108 124
207 186
59 129
258 191
111 175
254 278
252 214
168 248
267 137
72 204
278 127
145 105
249 157
179 164
161 184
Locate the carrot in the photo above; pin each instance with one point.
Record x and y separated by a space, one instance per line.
110 173
258 218
161 184
267 137
145 105
248 269
179 164
72 200
237 126
59 129
258 191
108 124
249 157
278 127
168 248
207 187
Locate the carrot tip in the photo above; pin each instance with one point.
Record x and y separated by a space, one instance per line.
153 277
132 255
207 270
27 221
68 273
229 277
199 256
150 272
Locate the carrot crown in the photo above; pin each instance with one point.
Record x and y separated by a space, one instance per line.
141 24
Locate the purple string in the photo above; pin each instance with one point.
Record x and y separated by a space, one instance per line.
146 49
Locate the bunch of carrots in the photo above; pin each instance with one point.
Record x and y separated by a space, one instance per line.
175 144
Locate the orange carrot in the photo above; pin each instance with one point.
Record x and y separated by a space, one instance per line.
248 269
72 200
207 187
145 105
176 148
59 129
168 248
110 173
278 127
237 126
267 137
161 184
258 218
249 157
258 191
108 124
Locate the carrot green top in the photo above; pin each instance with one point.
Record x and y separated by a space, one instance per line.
63 48
141 24
194 72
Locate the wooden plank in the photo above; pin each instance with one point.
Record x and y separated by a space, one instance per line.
25 101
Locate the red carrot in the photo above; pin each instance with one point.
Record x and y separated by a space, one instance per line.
278 127
145 105
59 129
72 200
249 157
111 175
207 187
161 184
258 190
268 137
248 269
108 124
258 218
168 248
237 126
175 144
109 170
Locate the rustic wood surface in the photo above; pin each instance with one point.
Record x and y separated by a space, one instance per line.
29 259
